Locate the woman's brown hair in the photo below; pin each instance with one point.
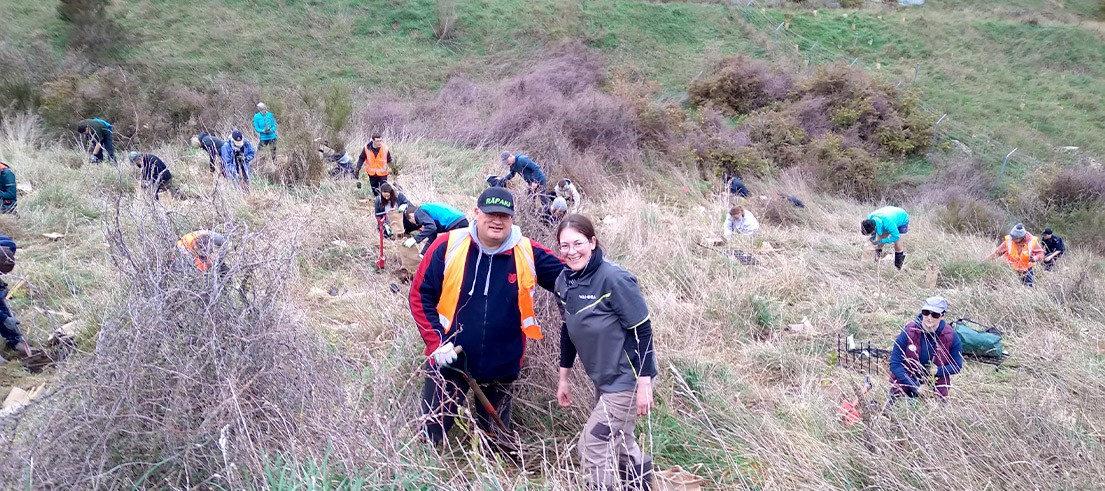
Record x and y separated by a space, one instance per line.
580 224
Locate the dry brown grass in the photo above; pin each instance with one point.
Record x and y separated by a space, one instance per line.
302 379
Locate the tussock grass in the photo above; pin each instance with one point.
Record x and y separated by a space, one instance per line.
738 392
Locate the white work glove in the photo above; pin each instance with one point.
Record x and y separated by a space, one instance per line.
409 242
444 355
403 208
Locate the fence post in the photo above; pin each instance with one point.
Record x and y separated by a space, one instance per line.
775 37
916 68
1001 173
854 60
935 132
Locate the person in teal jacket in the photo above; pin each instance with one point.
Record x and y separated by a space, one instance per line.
886 225
264 123
431 220
8 192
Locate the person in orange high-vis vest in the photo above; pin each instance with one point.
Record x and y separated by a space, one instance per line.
1021 250
375 159
474 290
200 247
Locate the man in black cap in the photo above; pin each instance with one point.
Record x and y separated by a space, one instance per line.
474 290
1054 248
9 325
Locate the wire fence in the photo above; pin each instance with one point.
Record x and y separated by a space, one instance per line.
782 42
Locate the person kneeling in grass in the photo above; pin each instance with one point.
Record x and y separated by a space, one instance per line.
927 352
606 322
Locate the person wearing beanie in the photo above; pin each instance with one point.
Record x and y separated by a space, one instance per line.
9 324
155 174
1054 248
1022 251
472 298
264 123
201 249
887 225
237 155
556 211
926 353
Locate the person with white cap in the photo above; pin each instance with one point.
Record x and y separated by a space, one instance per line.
264 123
237 154
1022 251
556 212
927 352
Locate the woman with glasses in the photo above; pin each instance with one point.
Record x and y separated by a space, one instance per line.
606 323
926 353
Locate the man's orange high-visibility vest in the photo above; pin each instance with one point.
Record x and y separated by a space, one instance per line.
456 254
1020 259
376 164
188 244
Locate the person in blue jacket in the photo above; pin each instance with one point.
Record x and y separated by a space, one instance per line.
237 154
927 352
264 123
485 307
9 324
530 171
886 225
431 220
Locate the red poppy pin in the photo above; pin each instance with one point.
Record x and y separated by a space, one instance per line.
512 278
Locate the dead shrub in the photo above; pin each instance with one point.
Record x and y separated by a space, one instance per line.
200 379
1073 187
741 86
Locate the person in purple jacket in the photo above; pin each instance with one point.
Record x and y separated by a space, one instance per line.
927 352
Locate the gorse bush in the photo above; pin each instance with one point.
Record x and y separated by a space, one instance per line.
91 28
741 86
966 214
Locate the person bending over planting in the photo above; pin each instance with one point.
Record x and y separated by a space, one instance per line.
431 220
886 225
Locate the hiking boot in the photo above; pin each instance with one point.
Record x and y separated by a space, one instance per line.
637 477
899 260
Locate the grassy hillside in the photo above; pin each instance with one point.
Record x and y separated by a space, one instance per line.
740 392
301 370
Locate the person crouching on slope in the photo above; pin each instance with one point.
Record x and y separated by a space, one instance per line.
927 352
474 289
606 322
886 225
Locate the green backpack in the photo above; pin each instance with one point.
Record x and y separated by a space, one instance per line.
984 343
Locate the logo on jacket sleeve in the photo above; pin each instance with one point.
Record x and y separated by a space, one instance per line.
512 278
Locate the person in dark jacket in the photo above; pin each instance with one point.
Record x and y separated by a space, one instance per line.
390 199
431 220
474 290
606 323
792 199
9 193
927 352
736 186
211 145
9 324
155 174
97 137
1054 248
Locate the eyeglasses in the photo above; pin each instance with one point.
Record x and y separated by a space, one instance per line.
575 246
934 315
